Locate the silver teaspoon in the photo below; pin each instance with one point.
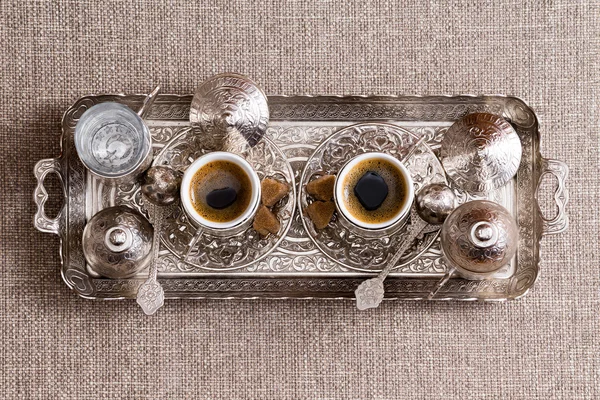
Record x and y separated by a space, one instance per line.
432 206
369 294
150 295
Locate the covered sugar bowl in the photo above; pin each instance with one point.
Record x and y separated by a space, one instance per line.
479 238
117 242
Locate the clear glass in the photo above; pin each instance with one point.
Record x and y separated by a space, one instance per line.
112 141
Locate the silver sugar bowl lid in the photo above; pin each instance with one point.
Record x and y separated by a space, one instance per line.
227 103
479 237
481 152
117 242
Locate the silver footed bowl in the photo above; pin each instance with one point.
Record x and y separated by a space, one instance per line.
230 103
117 242
479 237
481 152
343 243
217 252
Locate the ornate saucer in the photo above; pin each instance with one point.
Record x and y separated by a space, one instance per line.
344 244
201 249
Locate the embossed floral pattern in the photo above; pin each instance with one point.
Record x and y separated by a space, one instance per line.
236 251
340 242
296 127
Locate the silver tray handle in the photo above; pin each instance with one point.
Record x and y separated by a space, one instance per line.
560 222
40 220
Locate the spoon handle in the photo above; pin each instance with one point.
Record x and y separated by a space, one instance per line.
192 243
413 149
148 101
158 215
441 282
370 292
151 295
417 226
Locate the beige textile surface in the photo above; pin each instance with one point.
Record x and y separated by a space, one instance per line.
56 345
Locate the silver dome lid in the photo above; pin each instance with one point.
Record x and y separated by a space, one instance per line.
117 242
481 152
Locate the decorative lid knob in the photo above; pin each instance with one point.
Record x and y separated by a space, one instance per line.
118 239
484 234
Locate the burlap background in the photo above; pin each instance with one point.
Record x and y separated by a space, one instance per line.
56 345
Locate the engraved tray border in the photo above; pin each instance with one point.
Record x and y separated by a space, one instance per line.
345 110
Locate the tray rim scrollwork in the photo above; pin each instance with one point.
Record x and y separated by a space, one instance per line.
68 224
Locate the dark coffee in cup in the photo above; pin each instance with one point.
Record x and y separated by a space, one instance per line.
220 191
375 191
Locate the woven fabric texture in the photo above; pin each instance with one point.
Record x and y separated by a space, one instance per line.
56 345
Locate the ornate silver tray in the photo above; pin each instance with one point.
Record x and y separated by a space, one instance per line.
297 268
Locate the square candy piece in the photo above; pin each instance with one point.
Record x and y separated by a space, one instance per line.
321 188
320 212
265 222
273 191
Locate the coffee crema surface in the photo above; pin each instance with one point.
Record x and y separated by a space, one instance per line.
220 191
374 191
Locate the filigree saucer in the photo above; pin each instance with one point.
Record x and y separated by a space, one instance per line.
351 247
208 251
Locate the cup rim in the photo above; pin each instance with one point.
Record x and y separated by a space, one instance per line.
186 200
338 194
